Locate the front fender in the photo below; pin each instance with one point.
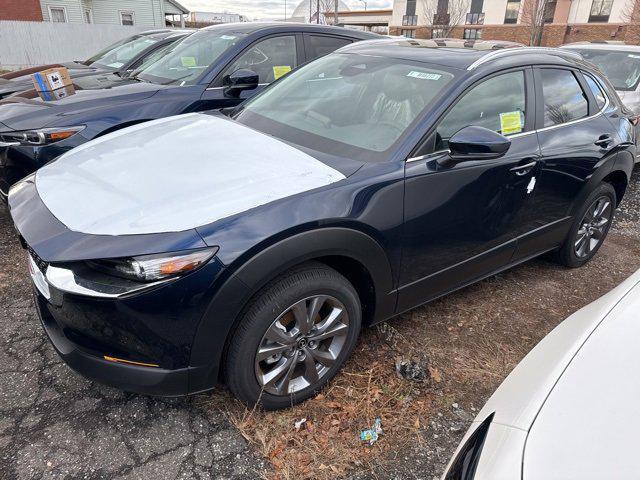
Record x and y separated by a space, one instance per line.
222 315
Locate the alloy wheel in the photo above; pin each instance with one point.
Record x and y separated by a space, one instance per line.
301 345
593 227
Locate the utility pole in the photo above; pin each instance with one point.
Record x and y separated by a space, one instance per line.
335 12
318 11
285 10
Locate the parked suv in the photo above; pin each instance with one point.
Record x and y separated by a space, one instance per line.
120 58
201 72
170 255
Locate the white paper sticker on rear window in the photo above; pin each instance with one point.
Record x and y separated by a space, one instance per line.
424 75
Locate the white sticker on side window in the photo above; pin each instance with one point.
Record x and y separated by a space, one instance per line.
424 75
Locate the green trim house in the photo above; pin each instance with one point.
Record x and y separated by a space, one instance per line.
139 13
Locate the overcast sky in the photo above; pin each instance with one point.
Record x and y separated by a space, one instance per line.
265 8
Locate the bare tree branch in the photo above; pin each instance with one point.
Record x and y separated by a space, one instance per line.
534 13
443 22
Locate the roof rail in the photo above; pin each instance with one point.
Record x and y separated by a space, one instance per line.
518 50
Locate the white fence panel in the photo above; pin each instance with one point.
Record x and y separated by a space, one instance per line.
27 44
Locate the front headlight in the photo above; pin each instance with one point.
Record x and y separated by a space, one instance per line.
41 136
150 268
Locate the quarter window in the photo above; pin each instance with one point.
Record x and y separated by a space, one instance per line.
598 94
270 59
564 100
497 104
320 45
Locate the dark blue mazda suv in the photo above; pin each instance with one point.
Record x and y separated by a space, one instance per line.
252 248
200 72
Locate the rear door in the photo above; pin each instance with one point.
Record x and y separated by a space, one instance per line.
462 220
575 134
271 58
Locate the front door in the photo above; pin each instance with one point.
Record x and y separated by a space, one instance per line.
271 58
462 220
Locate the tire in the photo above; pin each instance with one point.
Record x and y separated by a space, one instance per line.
574 255
276 320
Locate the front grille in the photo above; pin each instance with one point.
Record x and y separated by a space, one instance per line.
41 264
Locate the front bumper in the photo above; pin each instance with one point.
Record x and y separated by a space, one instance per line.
132 378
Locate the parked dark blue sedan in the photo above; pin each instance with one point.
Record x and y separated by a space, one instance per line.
198 73
171 255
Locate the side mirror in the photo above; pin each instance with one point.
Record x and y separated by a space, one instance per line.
477 143
242 79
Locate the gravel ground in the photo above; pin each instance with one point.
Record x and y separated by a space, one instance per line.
55 424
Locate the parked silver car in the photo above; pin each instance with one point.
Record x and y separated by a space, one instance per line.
620 63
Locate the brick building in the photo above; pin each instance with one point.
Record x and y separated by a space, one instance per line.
561 21
26 10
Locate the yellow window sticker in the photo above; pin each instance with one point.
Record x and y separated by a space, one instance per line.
188 61
280 70
510 122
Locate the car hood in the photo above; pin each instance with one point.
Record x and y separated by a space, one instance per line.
588 425
31 109
21 80
174 174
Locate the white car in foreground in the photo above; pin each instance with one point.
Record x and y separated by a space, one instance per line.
569 410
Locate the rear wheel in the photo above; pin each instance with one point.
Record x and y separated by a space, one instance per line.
294 337
590 227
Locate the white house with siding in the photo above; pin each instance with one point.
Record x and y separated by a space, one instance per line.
139 13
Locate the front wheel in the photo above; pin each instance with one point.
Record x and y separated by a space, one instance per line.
590 227
294 337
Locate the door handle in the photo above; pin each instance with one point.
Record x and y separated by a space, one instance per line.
603 141
521 170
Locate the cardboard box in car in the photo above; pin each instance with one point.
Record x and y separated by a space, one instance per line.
57 94
51 79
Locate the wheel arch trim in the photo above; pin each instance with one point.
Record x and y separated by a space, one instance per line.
222 314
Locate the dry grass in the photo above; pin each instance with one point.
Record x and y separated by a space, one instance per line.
327 445
471 340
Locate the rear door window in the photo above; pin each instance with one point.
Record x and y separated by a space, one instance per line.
271 58
564 100
320 45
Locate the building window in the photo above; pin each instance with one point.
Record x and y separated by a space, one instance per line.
513 9
411 8
549 11
437 33
88 16
58 14
472 34
475 19
410 20
126 18
409 33
600 10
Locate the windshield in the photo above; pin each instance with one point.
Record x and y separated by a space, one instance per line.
188 59
345 104
122 52
621 68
